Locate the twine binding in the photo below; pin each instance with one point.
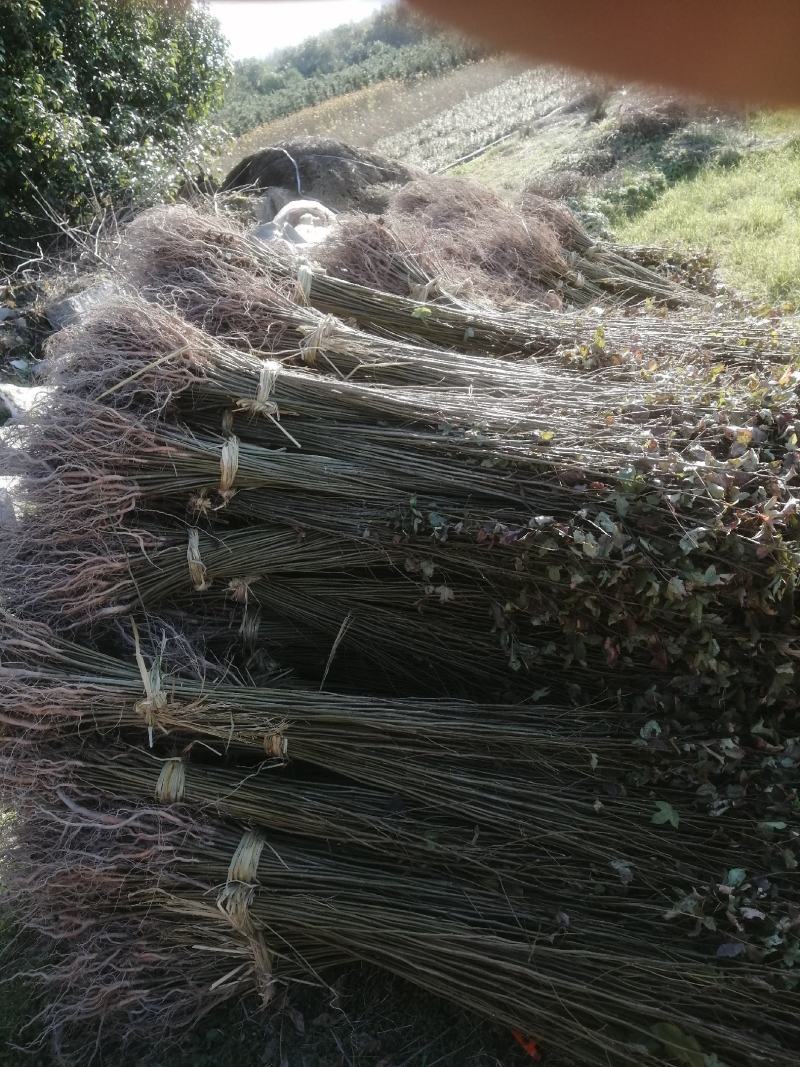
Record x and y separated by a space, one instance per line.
234 902
318 338
197 569
228 467
171 784
249 628
261 404
305 276
276 744
155 698
240 590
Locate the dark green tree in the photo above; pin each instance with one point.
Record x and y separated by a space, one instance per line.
395 43
101 101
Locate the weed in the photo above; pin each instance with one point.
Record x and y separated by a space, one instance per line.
745 214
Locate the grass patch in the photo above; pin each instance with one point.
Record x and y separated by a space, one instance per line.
747 216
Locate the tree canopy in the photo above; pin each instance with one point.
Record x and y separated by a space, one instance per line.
100 100
394 43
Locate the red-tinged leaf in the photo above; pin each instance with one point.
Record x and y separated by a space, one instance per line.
528 1044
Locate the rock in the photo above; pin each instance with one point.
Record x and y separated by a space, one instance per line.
8 313
65 312
342 176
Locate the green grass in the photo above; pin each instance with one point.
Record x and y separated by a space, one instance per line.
747 216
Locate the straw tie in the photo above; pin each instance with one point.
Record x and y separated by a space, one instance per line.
421 291
171 784
276 744
228 459
155 698
240 589
200 503
318 338
261 404
228 467
234 902
197 569
305 276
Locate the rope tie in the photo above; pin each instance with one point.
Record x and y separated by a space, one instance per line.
261 403
200 504
317 338
155 699
240 588
276 744
235 900
171 784
305 276
228 467
421 291
197 569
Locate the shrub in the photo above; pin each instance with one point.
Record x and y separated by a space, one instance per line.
100 99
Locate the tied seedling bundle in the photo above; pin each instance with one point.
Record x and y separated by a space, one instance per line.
481 642
475 947
452 238
238 287
536 799
646 551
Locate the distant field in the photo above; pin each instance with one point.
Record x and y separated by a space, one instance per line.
376 112
747 215
728 184
459 128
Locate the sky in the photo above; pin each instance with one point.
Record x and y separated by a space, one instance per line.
259 27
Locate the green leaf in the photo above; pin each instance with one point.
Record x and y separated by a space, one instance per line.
546 436
735 876
421 312
676 589
789 859
652 728
665 813
683 1048
623 869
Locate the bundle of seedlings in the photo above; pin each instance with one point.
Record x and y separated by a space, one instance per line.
112 975
473 946
552 548
131 355
450 238
232 284
532 778
599 552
